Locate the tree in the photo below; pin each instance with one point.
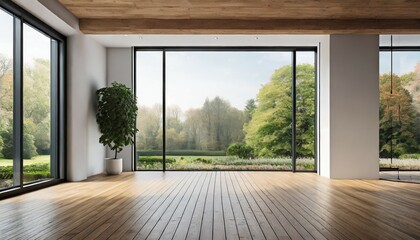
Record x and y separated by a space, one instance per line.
398 118
269 131
1 146
221 124
29 149
149 123
5 65
249 109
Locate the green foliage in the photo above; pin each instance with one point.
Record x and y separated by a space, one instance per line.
30 172
116 116
1 146
7 136
29 149
210 128
399 126
240 150
270 130
154 159
249 109
181 153
410 156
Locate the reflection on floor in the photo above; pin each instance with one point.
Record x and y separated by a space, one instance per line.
215 205
404 176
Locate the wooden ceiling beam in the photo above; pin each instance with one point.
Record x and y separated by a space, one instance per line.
236 26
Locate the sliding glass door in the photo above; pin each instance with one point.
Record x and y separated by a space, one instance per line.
149 90
32 108
225 109
399 85
7 166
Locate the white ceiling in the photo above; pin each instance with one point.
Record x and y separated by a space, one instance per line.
207 40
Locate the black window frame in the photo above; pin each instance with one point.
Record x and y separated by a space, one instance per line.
399 49
58 101
292 49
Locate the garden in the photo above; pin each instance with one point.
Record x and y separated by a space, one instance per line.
33 169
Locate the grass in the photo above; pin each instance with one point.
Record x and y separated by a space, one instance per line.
35 160
221 163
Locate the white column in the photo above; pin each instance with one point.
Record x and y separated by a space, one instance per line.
349 108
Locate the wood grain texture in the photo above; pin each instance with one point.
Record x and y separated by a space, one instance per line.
215 205
246 16
245 9
229 26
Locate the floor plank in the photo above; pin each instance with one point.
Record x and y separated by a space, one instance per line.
215 205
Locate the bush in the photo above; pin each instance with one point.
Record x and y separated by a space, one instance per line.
410 156
1 146
30 172
240 150
7 150
150 160
181 153
29 149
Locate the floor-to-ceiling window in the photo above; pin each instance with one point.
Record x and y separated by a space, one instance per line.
32 108
399 86
6 100
226 108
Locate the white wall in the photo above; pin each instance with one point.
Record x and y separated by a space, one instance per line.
323 108
119 70
353 108
86 73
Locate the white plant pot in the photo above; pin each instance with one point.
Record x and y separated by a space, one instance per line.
113 166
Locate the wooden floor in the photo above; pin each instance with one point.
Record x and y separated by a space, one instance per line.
215 205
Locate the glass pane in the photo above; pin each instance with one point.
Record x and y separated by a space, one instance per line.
149 84
400 40
400 110
36 105
228 110
6 100
305 111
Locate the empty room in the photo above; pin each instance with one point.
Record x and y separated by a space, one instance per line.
209 119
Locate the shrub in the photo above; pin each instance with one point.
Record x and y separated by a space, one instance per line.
150 159
1 146
410 156
30 172
181 153
7 136
204 160
29 149
240 150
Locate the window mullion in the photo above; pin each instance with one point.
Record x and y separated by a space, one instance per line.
17 102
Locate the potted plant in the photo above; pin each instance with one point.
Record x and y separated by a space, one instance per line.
116 117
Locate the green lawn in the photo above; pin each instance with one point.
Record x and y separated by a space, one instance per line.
34 169
35 160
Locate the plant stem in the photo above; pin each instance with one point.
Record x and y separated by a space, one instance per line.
115 154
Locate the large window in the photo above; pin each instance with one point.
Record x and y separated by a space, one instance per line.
400 102
6 101
226 109
32 127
